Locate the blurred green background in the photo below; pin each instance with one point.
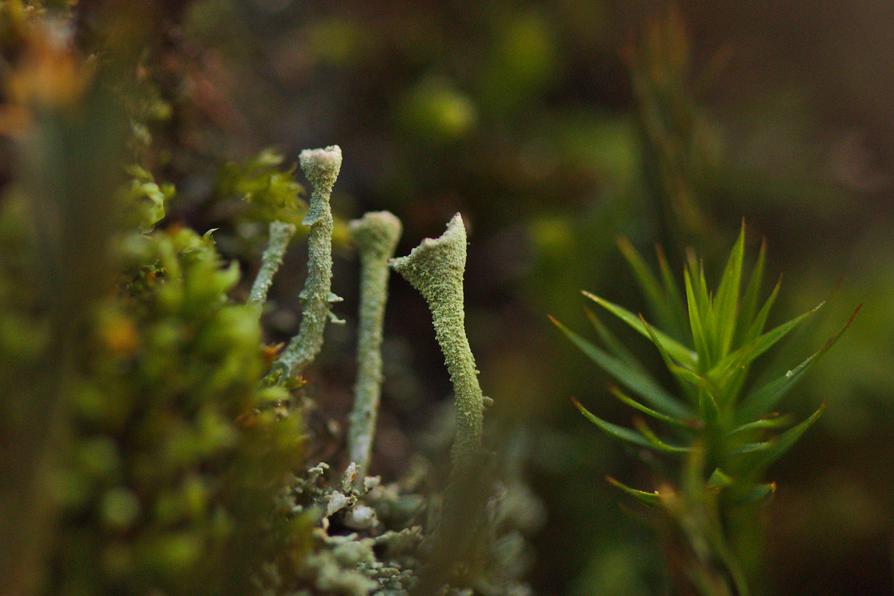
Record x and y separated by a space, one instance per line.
555 127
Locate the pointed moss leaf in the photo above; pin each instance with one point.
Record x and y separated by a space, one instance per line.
695 321
655 441
748 306
727 301
756 326
702 287
651 288
777 447
636 380
626 399
649 498
693 268
611 341
762 424
766 397
672 293
687 378
750 351
613 430
676 349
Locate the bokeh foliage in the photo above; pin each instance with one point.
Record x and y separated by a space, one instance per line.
140 452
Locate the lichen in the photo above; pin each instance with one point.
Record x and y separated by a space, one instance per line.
376 235
369 559
279 236
321 166
436 268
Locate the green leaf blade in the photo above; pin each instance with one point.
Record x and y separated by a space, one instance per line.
760 320
761 424
625 434
675 348
695 321
656 441
629 401
652 499
763 399
613 430
611 341
758 493
636 380
748 307
777 447
649 284
672 292
753 349
727 301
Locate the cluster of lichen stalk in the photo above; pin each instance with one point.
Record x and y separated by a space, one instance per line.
321 166
375 235
435 268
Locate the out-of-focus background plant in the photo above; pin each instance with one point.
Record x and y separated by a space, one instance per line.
555 127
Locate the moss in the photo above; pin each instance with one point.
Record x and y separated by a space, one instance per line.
171 481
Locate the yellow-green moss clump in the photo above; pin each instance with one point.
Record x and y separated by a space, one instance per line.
175 463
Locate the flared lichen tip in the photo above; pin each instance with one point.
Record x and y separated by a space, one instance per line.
321 166
453 239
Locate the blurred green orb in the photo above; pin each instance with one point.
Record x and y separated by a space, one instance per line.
434 111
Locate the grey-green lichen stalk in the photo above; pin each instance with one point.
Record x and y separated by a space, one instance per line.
279 236
321 166
436 268
375 235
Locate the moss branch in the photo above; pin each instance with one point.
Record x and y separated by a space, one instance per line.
376 235
279 236
321 166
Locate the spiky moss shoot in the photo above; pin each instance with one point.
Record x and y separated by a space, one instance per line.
321 166
721 423
376 235
436 268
